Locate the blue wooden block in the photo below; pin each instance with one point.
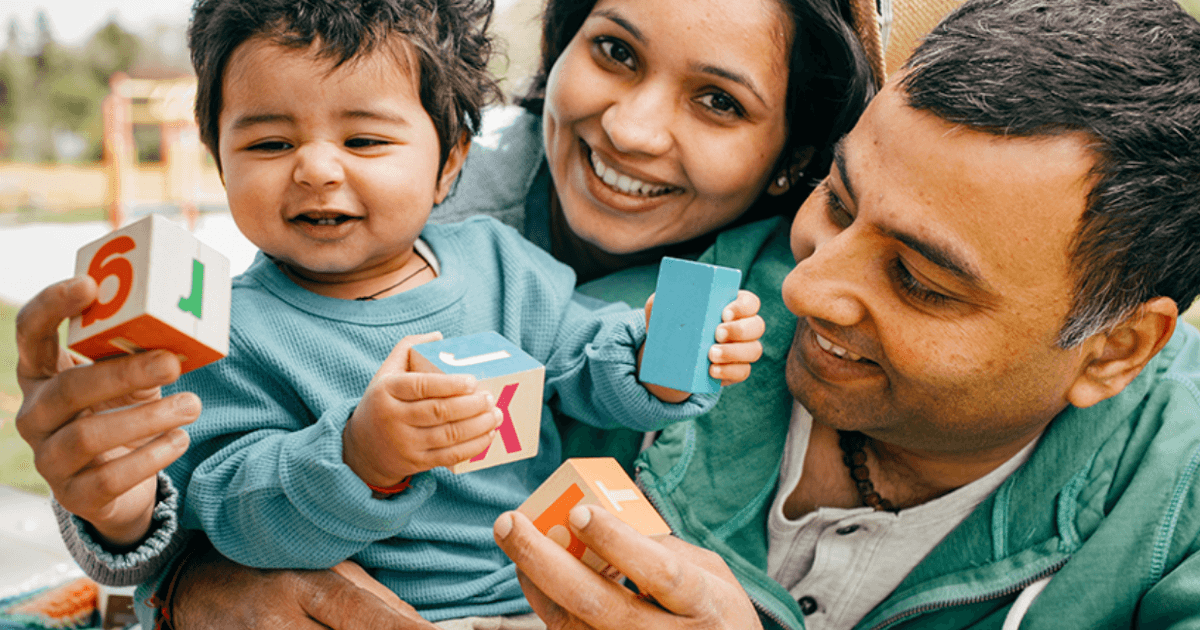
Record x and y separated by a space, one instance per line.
688 301
514 378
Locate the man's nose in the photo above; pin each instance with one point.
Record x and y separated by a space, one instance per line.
831 282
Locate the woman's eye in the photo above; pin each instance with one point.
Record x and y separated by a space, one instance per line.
270 146
722 103
616 50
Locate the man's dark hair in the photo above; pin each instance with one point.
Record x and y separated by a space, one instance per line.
448 39
829 84
1127 74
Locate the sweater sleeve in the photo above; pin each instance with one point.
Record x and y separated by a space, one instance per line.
158 550
274 492
593 371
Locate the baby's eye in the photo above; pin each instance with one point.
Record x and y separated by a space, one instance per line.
270 146
722 103
363 143
616 50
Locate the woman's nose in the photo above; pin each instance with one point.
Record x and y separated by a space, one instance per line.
639 121
318 166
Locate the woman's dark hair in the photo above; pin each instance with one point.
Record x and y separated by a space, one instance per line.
448 39
829 84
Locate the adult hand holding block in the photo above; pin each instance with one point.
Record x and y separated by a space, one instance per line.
512 376
591 481
159 288
688 301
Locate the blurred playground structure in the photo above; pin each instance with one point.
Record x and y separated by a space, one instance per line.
182 180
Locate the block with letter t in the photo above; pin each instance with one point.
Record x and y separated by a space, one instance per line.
512 376
688 301
595 481
159 288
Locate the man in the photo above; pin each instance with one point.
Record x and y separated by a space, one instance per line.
986 355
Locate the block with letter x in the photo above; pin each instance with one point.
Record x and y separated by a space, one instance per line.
159 288
512 376
595 481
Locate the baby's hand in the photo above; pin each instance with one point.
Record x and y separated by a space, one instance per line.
410 422
737 340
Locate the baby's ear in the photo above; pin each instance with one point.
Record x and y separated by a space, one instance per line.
1112 359
454 164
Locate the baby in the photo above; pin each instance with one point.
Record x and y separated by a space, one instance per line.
337 125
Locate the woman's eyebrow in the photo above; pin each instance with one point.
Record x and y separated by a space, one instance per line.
616 18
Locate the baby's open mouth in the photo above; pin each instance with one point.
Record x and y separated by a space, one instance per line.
324 218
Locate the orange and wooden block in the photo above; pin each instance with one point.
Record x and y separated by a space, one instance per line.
591 481
509 373
159 288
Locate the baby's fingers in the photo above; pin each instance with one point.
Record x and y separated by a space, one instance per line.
729 373
734 353
739 330
745 305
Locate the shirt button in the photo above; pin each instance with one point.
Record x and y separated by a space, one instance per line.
849 529
808 605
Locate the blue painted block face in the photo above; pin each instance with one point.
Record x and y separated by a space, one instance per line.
483 355
688 301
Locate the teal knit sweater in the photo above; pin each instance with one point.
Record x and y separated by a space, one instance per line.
264 476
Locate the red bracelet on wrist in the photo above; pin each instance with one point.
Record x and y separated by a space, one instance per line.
390 490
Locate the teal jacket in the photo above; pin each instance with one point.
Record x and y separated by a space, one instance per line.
1108 503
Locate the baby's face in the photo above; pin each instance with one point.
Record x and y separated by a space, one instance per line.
331 171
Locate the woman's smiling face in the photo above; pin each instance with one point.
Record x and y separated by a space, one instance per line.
664 120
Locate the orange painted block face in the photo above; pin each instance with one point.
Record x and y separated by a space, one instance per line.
596 481
509 373
159 288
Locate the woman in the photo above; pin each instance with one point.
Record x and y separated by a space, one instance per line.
654 128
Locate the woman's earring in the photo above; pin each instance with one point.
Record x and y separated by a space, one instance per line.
782 181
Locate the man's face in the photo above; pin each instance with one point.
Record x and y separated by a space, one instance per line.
932 279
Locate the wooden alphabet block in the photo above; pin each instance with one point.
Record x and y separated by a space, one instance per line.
511 375
160 287
596 481
688 301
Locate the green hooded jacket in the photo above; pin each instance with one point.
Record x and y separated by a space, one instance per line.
1108 503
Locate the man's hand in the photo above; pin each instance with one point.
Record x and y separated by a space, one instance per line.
100 433
410 422
214 592
690 587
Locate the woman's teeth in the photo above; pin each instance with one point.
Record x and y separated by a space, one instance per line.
625 183
835 349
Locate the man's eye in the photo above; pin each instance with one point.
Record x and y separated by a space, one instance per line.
915 288
723 104
838 213
616 50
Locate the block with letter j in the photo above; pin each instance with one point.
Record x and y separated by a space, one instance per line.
591 481
512 376
688 301
159 288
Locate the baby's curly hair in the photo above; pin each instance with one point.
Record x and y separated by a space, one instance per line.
449 40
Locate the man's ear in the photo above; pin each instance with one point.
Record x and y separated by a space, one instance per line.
791 172
1111 360
454 164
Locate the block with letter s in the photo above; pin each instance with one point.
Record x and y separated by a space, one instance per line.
591 481
159 288
509 373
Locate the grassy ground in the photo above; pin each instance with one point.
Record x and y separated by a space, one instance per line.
16 459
